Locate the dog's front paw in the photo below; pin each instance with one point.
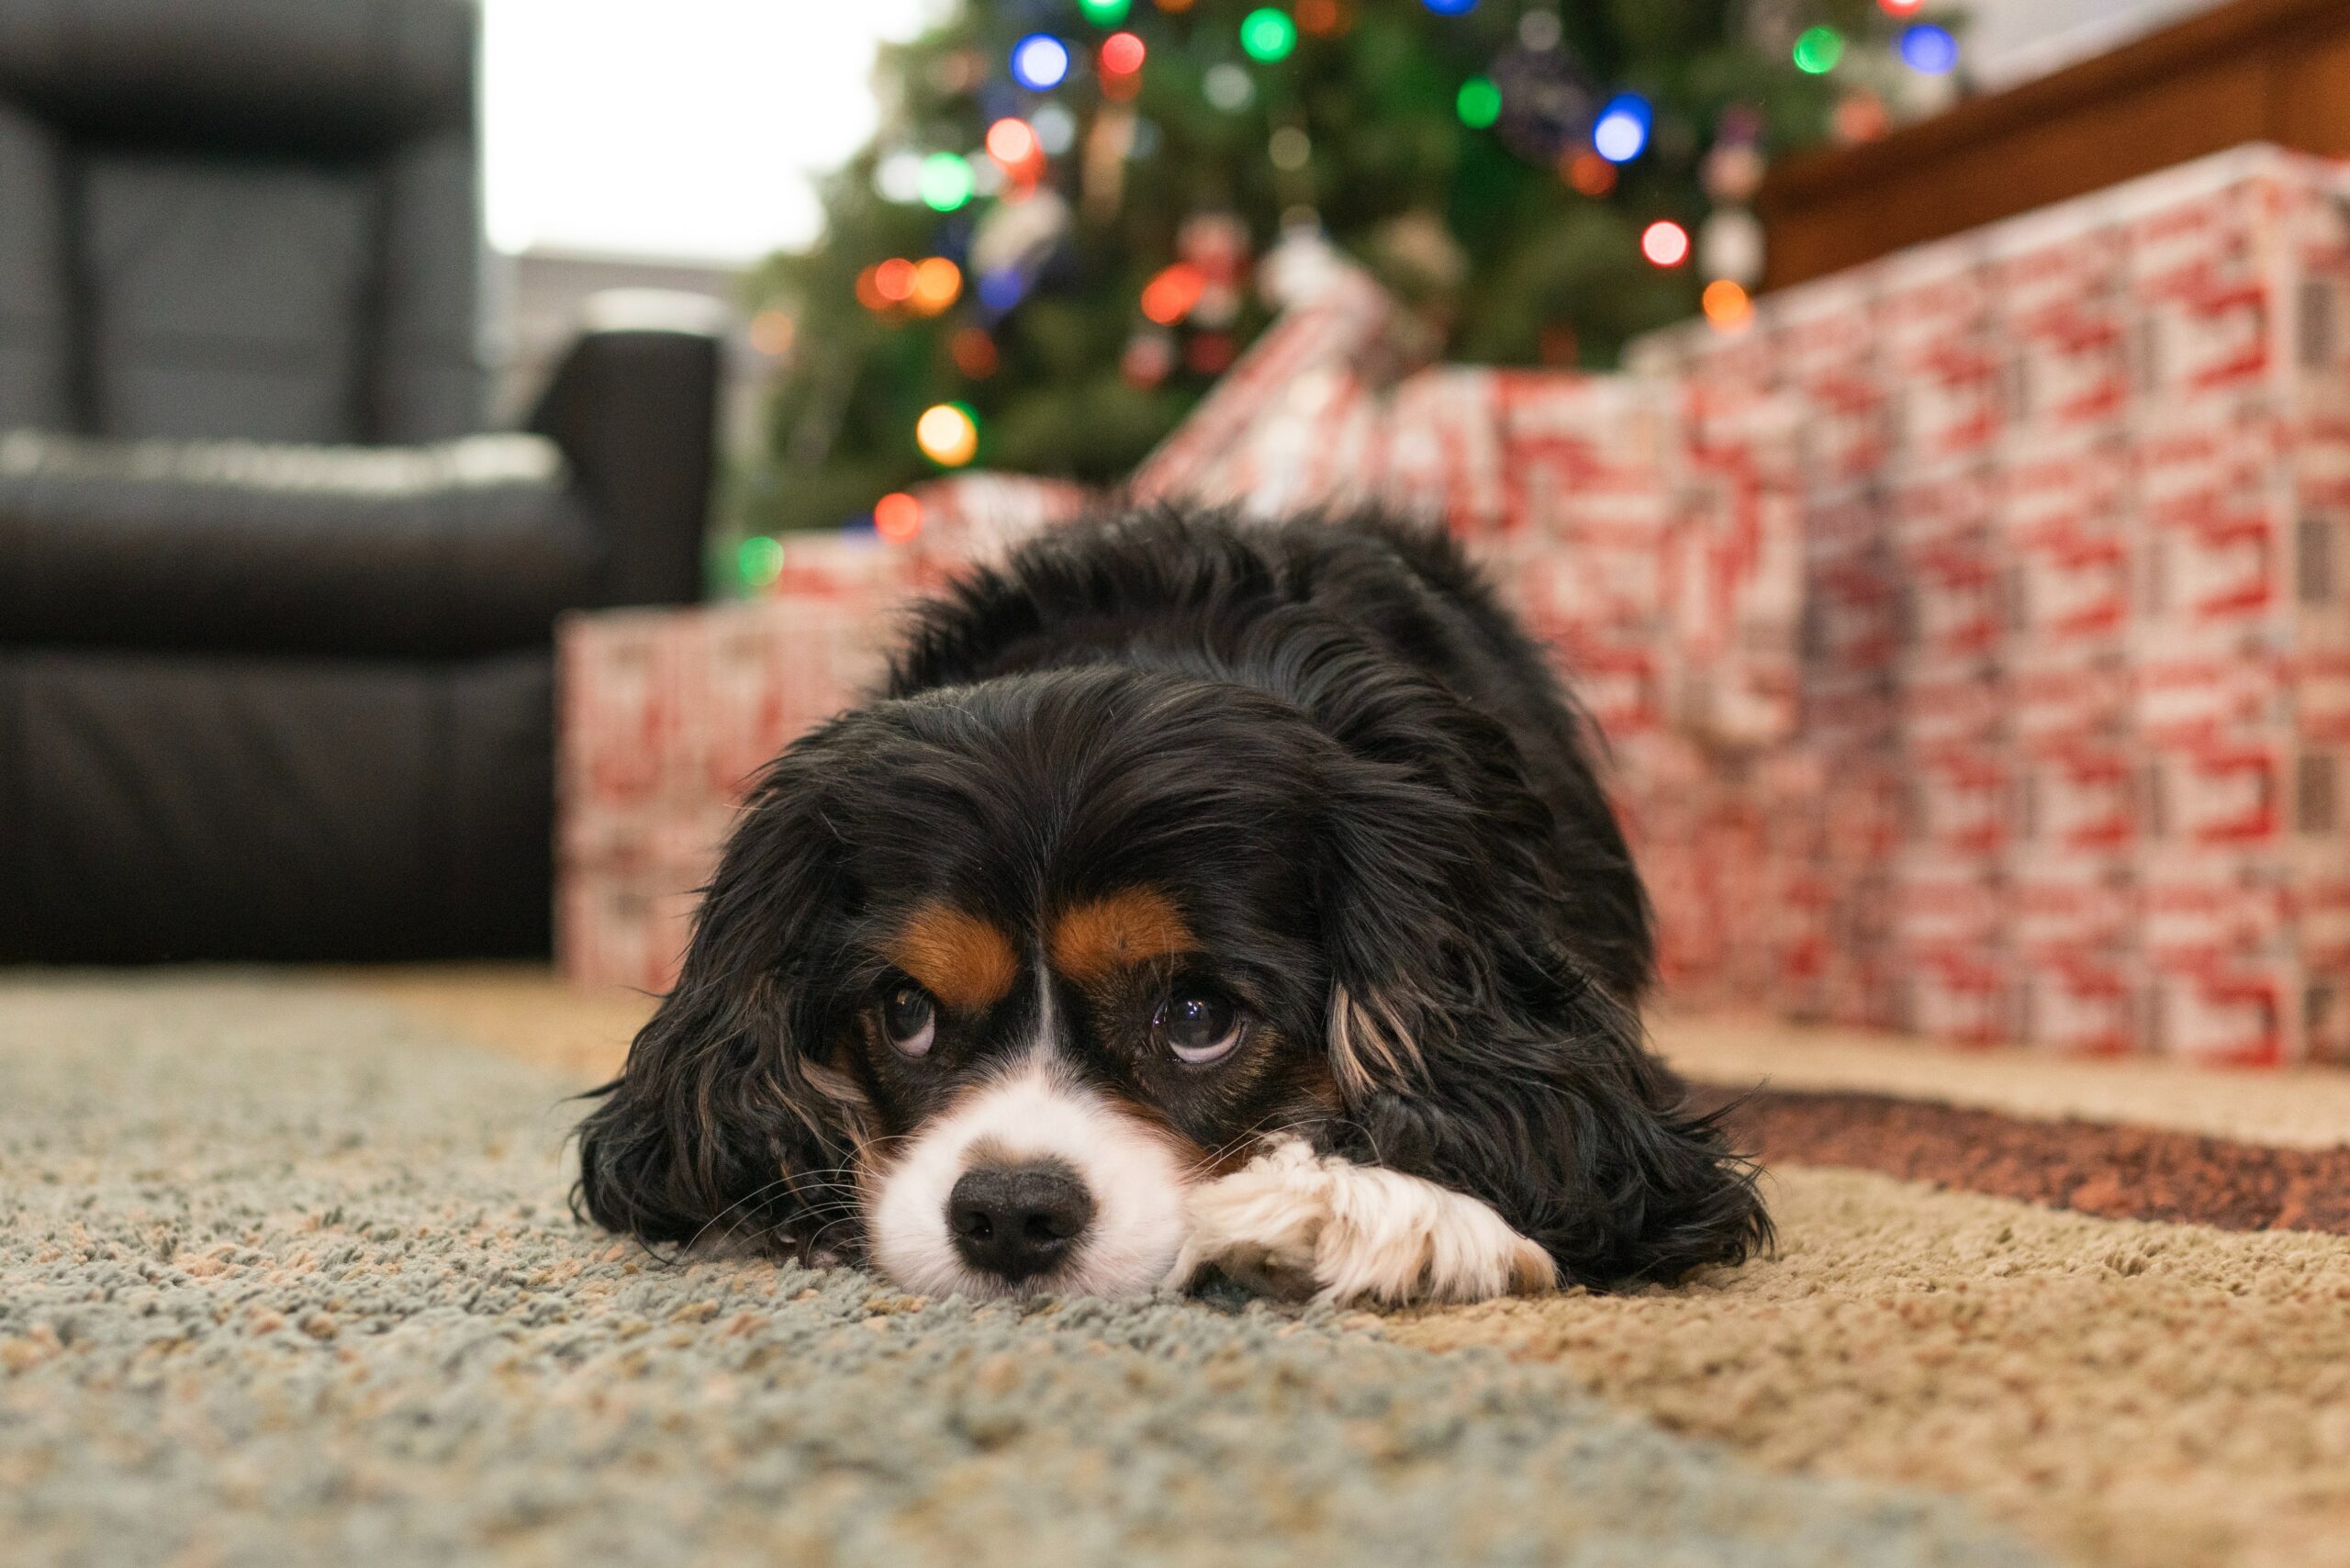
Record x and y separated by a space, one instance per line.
1294 1224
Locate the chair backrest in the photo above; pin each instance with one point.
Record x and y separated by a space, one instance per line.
240 217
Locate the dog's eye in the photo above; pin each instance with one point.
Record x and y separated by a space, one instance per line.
1198 1023
909 1019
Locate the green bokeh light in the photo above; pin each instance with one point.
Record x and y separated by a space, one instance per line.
946 181
1267 35
1480 103
1105 13
1819 50
759 561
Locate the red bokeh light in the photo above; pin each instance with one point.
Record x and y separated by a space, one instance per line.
1122 54
1665 242
897 516
893 280
1170 296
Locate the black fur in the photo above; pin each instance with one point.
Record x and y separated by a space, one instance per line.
1373 801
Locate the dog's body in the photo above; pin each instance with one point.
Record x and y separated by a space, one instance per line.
1198 895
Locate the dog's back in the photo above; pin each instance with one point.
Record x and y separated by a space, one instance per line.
1264 604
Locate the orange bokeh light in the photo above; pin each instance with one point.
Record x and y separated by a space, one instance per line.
1590 173
868 290
897 516
1323 18
893 280
936 282
974 352
772 331
1012 142
1728 305
1170 296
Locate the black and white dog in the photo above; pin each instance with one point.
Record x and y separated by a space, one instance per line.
1199 896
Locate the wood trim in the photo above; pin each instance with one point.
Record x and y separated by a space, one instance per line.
2254 70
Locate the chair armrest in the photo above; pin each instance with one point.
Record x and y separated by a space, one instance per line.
634 407
466 548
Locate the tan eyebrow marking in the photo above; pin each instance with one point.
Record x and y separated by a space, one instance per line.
1117 932
957 958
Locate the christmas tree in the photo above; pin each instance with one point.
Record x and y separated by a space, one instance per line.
1049 251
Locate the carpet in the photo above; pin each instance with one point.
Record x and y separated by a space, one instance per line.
286 1275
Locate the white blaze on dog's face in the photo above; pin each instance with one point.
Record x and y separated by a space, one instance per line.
1031 1181
1096 1124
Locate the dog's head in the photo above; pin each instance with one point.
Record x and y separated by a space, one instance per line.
988 978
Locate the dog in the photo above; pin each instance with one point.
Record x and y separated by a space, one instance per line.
1200 897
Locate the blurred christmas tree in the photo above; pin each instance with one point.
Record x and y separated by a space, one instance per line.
1050 249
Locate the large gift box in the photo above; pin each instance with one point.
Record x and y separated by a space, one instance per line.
1969 635
2074 503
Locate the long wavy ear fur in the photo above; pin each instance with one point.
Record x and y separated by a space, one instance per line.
720 1122
1476 1044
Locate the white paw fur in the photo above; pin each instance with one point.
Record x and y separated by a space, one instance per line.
1292 1223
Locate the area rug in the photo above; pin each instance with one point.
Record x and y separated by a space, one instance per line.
285 1275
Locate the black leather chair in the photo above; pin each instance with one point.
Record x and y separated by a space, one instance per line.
274 618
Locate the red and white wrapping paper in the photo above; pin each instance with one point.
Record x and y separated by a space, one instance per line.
2076 505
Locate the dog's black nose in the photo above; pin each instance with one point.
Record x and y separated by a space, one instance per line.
1016 1221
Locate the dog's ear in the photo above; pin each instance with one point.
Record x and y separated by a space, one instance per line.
721 1122
1474 1038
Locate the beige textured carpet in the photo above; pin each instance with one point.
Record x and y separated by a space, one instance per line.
2168 1391
2145 1394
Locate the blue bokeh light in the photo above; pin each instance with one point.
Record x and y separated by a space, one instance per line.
1002 289
1450 7
1621 131
1039 62
1928 50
